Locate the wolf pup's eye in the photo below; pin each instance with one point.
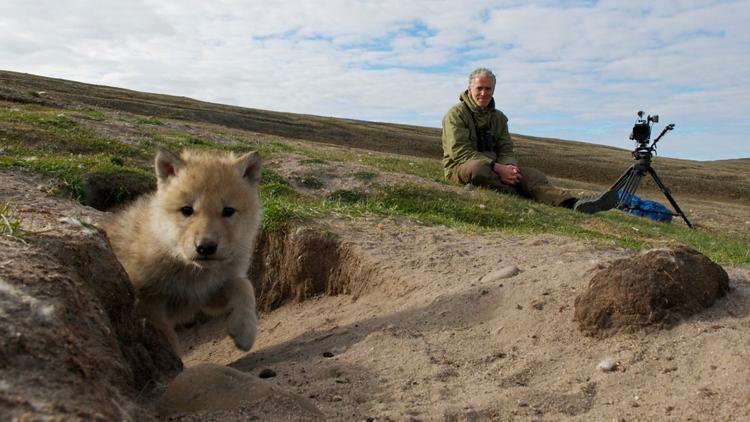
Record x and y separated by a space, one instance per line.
227 212
186 211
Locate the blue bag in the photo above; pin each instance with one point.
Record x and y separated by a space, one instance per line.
645 208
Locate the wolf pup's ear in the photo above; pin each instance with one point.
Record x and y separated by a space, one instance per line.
167 164
249 166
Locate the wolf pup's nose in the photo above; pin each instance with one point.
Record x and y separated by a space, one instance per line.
206 247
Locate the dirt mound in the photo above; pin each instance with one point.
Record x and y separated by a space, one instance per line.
654 289
70 344
209 392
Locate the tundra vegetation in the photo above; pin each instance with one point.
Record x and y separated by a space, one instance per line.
94 151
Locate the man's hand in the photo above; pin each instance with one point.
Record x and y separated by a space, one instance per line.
508 173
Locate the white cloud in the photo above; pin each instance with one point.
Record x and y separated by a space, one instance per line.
567 69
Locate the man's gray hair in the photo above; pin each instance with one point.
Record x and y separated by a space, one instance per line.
481 71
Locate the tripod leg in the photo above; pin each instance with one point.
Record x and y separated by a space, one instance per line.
631 187
666 193
621 181
627 184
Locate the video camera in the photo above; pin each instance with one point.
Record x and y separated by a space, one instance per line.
641 133
642 128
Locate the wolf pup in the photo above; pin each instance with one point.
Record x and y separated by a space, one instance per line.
187 247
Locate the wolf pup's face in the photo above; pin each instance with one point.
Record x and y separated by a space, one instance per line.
207 205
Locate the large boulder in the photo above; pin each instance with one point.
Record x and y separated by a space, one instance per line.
71 346
655 289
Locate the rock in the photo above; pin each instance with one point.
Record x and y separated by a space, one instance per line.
71 346
215 392
655 289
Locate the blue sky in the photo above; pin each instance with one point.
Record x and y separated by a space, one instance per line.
576 70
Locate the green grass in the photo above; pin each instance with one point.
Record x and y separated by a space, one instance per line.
148 120
365 176
645 232
10 222
66 149
422 167
67 170
311 182
95 115
46 118
55 131
313 161
488 211
176 141
282 205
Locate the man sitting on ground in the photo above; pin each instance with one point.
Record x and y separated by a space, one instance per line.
477 150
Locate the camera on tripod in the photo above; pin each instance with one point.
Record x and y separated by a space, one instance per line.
628 183
642 128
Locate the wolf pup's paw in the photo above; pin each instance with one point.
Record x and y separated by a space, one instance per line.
242 329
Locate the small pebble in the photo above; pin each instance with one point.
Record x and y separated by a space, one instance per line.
327 354
607 365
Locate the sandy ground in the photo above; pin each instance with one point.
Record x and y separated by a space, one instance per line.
465 327
461 327
480 327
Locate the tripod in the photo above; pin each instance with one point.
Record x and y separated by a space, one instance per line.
628 183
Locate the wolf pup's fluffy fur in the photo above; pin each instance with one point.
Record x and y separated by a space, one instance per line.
187 247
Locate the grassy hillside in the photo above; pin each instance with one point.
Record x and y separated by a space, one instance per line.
725 180
96 143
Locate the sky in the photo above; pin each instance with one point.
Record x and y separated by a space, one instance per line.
574 70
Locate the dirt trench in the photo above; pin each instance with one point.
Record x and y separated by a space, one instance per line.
292 265
298 263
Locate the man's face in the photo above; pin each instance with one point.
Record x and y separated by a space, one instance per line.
481 90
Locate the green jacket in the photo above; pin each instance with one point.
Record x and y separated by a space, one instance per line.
460 134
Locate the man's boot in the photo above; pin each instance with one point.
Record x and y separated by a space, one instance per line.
603 202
